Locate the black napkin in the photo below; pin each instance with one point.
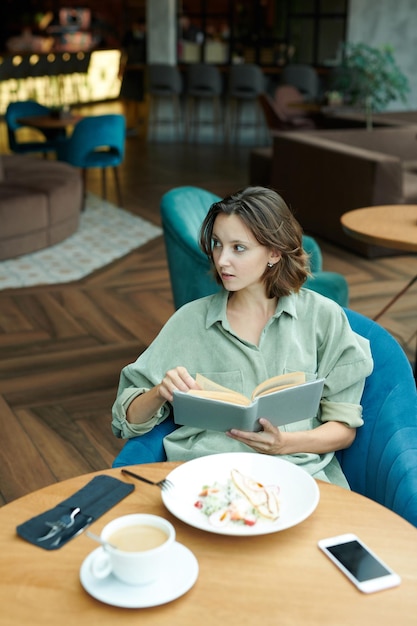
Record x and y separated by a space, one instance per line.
97 497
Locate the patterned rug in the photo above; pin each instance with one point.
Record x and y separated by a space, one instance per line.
106 233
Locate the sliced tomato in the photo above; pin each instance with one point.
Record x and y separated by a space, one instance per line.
208 490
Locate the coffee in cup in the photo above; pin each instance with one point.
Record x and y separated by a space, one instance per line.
138 538
138 548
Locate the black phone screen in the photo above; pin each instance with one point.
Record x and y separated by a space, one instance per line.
358 561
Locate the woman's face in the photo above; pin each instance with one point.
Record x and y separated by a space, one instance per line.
239 258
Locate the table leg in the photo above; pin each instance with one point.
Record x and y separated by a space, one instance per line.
395 298
390 303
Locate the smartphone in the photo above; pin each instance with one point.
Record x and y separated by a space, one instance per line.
363 568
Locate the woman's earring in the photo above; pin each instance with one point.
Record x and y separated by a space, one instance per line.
270 265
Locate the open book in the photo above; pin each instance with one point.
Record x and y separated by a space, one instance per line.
281 399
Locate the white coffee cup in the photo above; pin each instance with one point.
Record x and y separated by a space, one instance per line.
141 545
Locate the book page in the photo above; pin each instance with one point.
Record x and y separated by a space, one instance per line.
214 391
279 382
232 397
210 389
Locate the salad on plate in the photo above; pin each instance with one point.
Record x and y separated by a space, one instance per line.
240 500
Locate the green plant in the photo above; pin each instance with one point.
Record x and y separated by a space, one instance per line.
369 77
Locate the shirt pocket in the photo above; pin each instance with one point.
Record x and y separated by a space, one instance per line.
309 374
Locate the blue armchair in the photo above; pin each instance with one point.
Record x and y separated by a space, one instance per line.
382 461
182 211
97 141
28 108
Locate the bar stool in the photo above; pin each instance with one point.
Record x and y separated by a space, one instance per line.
164 88
204 84
246 83
304 78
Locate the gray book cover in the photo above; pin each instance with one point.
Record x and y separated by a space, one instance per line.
284 406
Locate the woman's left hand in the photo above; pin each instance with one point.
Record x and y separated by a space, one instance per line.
270 440
327 437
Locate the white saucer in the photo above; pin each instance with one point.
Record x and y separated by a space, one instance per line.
179 576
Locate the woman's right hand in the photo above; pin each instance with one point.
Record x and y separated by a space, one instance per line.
176 379
144 406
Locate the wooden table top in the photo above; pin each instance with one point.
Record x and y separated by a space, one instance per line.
391 226
281 578
48 122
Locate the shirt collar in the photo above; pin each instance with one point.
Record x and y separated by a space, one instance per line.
287 304
217 309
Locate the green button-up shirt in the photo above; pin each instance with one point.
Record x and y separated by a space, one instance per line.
308 333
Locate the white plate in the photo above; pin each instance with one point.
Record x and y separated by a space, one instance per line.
179 576
299 493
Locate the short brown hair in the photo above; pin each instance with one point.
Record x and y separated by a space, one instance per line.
273 225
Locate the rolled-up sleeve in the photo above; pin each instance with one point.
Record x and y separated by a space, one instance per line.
348 414
173 346
124 429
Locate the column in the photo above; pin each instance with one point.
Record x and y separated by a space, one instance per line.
161 26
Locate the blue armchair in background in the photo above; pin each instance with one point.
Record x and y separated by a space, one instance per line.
97 141
382 461
183 210
29 108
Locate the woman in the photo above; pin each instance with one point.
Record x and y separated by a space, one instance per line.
261 324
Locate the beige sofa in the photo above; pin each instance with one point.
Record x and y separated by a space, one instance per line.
40 203
323 174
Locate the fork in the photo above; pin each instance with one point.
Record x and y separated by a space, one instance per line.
64 522
163 484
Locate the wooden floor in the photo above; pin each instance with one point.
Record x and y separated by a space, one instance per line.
62 347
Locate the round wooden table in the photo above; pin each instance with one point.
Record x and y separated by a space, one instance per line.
280 578
51 126
391 226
